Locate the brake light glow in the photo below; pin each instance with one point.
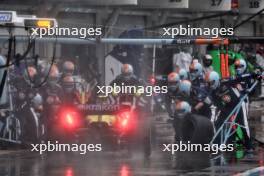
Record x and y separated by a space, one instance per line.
69 118
126 121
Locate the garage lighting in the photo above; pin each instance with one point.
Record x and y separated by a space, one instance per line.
44 23
39 23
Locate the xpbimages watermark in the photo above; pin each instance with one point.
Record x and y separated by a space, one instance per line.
73 32
129 89
196 31
59 147
190 147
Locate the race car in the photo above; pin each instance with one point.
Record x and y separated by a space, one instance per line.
116 127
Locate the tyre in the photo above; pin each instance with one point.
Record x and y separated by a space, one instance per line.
197 129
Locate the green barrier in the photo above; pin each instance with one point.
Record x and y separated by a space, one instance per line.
232 57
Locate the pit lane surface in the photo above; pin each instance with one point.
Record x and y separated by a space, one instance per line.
26 163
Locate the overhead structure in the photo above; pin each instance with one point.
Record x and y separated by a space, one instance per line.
144 41
127 41
99 2
174 4
250 6
19 23
210 5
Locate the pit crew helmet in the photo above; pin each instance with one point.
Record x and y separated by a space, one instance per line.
127 70
207 60
185 87
173 78
68 84
196 70
183 74
195 61
182 108
173 81
30 73
68 68
213 79
53 74
240 66
37 101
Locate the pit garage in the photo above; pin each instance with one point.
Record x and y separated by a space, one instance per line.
131 87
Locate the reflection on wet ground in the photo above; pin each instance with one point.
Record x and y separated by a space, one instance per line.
110 164
25 163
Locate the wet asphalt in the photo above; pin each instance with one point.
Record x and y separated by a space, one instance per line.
117 163
27 163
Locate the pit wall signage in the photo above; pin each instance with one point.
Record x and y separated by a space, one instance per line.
7 16
250 6
210 5
164 3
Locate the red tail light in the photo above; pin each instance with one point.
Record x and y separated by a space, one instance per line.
69 118
126 120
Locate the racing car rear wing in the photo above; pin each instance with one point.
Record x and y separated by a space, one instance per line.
99 109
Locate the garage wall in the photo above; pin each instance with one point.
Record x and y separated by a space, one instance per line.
124 22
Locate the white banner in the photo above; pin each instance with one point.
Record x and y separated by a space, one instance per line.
210 5
164 3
